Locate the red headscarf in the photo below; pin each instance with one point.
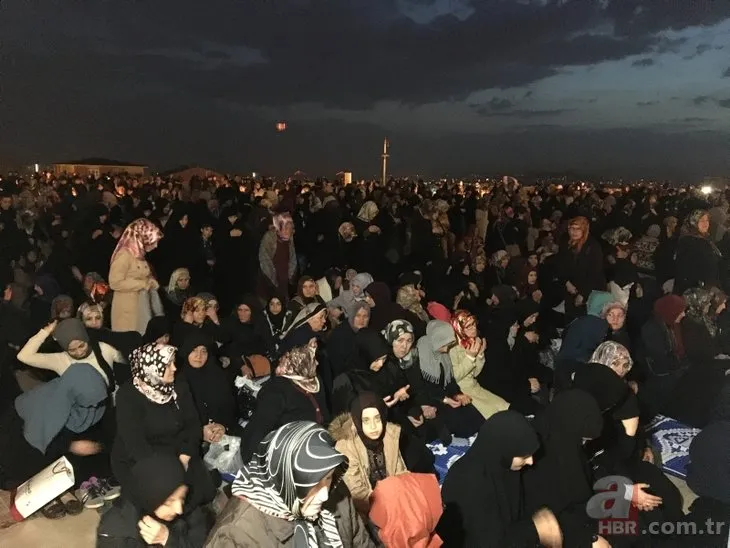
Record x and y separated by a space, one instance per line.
139 234
439 311
668 309
461 320
406 509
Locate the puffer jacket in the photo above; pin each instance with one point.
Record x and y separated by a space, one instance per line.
357 477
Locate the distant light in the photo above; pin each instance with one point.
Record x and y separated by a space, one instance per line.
254 174
37 167
707 189
281 126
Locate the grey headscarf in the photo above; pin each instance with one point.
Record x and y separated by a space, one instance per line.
71 329
362 280
433 362
75 400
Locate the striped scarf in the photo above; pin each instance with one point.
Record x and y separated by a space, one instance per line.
288 463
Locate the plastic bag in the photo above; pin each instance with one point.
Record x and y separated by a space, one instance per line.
225 455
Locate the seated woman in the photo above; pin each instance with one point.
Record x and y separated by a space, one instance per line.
370 444
59 418
293 394
178 290
615 315
211 386
560 477
662 353
158 330
306 294
532 379
77 347
92 315
242 331
155 512
467 359
156 414
455 408
287 496
341 344
192 317
484 504
406 509
271 324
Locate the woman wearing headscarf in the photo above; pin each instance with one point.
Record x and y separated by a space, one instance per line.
467 359
178 290
645 247
306 294
341 343
130 275
561 478
454 407
156 414
211 386
289 494
484 501
371 445
496 273
347 299
581 266
242 331
406 509
59 418
271 324
698 327
277 256
155 513
77 346
698 259
409 299
383 309
293 394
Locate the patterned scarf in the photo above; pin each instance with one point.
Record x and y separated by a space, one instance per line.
409 298
281 221
392 332
300 366
460 322
697 300
148 364
138 235
288 463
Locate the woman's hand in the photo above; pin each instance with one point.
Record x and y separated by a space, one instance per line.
429 411
534 385
601 543
579 300
648 455
548 528
152 531
532 337
402 393
84 448
452 402
247 372
213 432
570 288
474 348
463 399
51 327
416 422
152 284
643 500
184 460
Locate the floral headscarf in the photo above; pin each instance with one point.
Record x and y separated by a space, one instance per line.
611 353
409 298
347 231
300 366
697 300
368 212
148 364
281 221
460 322
138 235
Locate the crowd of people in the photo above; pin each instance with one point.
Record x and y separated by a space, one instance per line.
551 323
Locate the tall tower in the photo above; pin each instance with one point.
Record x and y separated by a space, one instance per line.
385 157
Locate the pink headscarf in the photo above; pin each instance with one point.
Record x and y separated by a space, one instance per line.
281 221
439 312
139 234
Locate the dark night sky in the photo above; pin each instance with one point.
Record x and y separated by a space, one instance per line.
632 87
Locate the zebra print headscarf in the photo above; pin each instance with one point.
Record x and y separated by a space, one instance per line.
288 463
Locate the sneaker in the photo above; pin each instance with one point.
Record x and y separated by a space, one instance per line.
109 488
90 495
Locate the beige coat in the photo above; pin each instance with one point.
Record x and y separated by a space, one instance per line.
127 277
466 370
357 477
240 525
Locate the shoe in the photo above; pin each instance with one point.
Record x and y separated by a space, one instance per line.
108 487
90 495
54 510
71 504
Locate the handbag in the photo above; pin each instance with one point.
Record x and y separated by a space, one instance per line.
45 486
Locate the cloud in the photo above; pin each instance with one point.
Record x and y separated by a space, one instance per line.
726 74
499 104
700 100
724 103
647 62
646 103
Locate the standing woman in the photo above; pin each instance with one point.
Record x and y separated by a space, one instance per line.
277 257
697 262
129 275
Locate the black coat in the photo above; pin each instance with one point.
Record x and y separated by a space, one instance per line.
697 264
